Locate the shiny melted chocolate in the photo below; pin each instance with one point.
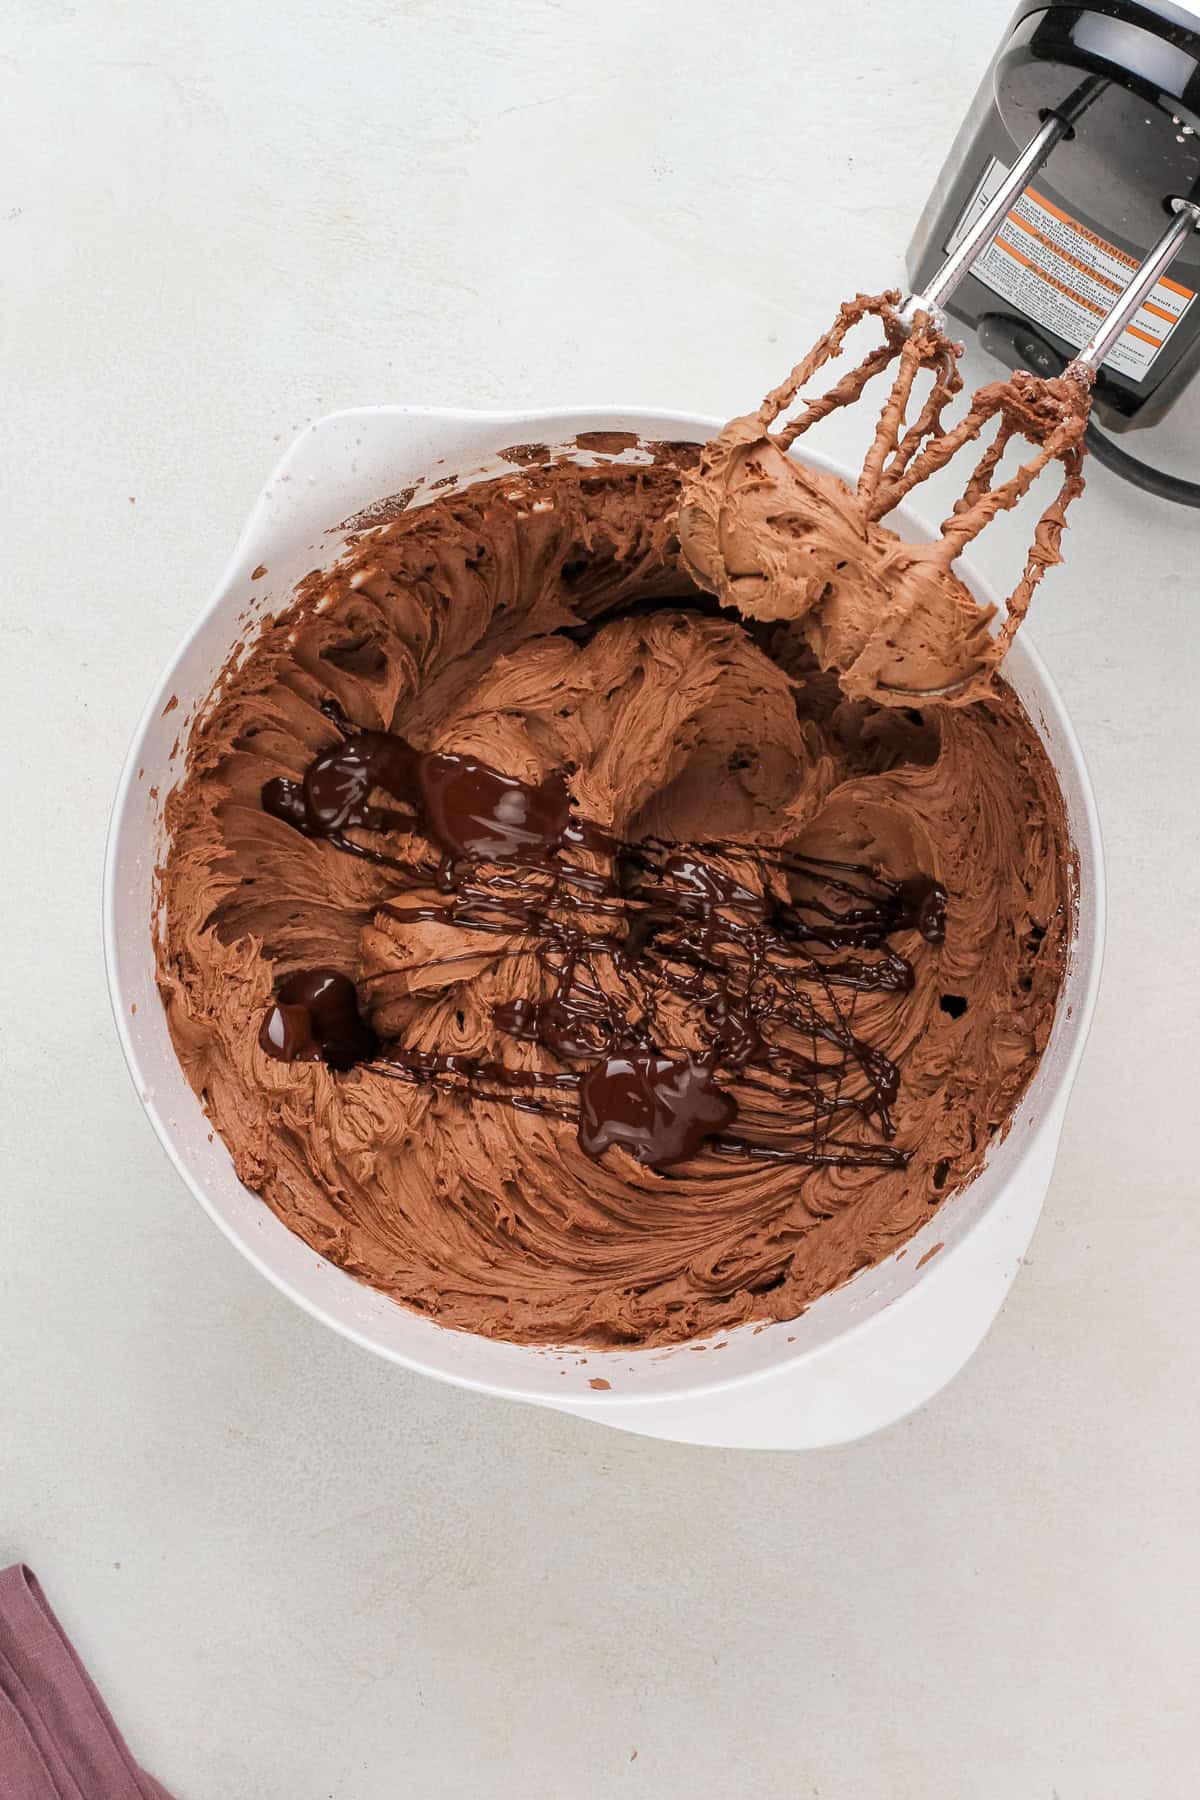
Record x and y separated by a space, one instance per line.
768 982
315 1018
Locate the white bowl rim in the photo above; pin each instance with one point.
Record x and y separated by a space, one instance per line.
674 424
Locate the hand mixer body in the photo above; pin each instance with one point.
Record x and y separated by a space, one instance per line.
1088 216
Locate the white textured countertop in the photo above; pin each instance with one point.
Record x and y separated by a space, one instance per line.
299 1573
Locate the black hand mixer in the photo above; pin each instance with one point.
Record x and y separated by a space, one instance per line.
1045 231
1064 228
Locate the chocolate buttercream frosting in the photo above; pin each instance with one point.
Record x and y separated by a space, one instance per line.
570 958
778 539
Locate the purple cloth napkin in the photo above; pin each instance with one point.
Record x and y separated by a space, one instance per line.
57 1738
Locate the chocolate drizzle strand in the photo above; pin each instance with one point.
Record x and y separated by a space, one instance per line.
732 1029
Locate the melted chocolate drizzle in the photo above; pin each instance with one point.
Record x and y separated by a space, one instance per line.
769 983
315 1018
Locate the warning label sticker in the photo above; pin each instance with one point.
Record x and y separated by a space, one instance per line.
1060 274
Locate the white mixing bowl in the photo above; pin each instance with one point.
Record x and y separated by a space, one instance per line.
857 1359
